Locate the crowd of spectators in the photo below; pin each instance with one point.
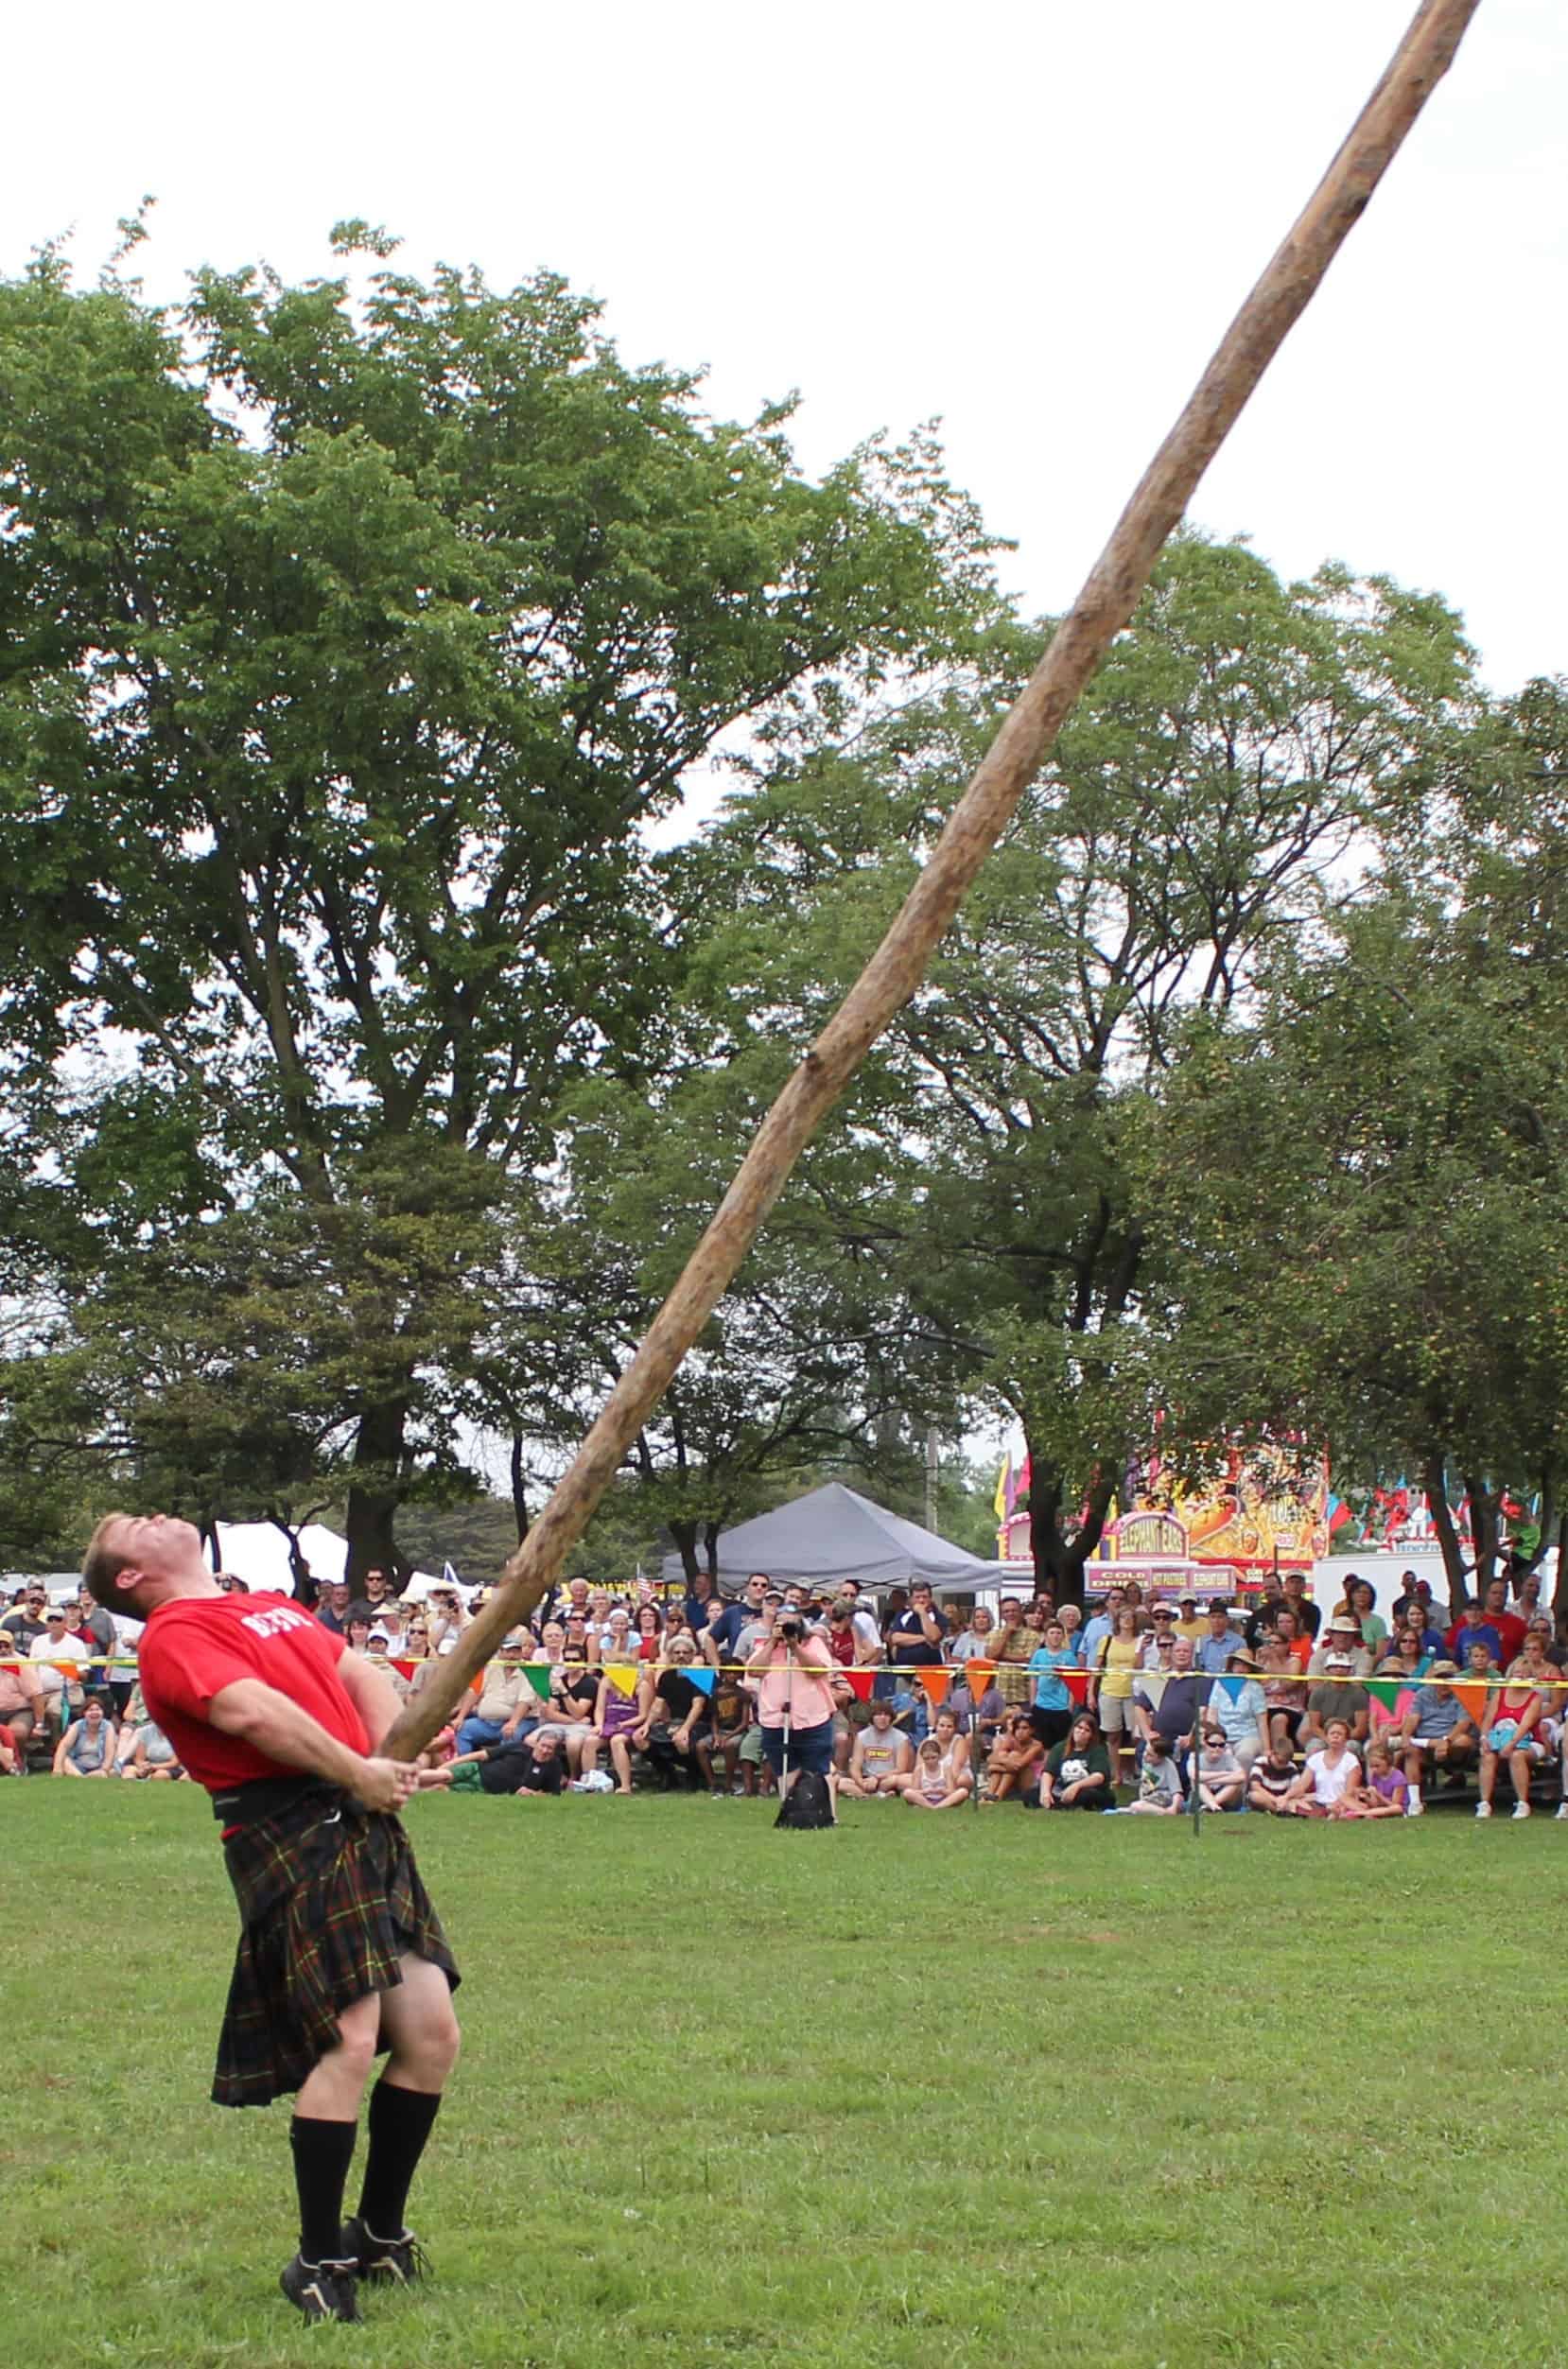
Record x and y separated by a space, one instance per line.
1134 1708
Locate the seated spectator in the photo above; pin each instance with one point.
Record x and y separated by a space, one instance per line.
153 1755
59 1657
979 1722
1188 1624
843 1636
1295 1638
573 1704
1160 1791
1386 1793
729 1720
1408 1656
937 1783
616 1644
1271 1782
1436 1734
881 1758
1361 1602
21 1698
1511 1732
87 1747
1238 1705
1017 1758
1077 1771
1342 1637
1331 1776
1285 1689
1052 1707
673 1714
1336 1696
1219 1776
507 1702
648 1634
445 1618
615 1717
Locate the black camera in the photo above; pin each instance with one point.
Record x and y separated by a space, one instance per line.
791 1627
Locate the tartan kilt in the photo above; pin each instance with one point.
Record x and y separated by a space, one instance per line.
329 1901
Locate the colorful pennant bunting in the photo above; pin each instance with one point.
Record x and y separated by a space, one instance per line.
622 1677
702 1676
936 1682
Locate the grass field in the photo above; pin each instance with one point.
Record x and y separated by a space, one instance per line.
923 2091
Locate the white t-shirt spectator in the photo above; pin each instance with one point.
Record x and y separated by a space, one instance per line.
49 1648
1331 1785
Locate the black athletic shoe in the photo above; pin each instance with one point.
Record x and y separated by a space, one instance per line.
389 2262
322 2290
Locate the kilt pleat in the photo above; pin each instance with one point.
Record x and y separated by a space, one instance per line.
330 1900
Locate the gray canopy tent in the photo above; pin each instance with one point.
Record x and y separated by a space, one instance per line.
834 1533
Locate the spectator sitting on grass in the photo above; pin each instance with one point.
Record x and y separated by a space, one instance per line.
1386 1794
154 1756
87 1747
1220 1778
937 1782
1330 1777
1271 1782
1160 1793
1077 1770
1013 1771
537 1766
881 1758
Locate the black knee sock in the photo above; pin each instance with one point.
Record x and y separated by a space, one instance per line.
323 2153
400 2123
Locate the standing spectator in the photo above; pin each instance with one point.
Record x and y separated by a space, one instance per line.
446 1618
1051 1713
1170 1712
333 1612
1159 1634
866 1628
1071 1620
1100 1624
1188 1624
701 1602
1511 1626
976 1643
726 1629
1112 1685
794 1702
1471 1624
1261 1620
24 1622
95 1628
1303 1612
916 1638
842 1639
1014 1644
1361 1601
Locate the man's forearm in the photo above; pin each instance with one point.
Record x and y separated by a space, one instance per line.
276 1727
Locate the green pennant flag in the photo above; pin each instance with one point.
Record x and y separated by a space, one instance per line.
538 1674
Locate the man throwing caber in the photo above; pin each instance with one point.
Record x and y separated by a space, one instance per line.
340 1953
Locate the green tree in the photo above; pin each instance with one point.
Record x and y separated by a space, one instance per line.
348 643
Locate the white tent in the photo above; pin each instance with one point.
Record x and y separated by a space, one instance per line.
257 1551
834 1533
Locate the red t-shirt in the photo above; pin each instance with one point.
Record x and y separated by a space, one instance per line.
195 1645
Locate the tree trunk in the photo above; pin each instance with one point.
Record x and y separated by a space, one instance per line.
375 1494
1435 1480
519 1479
684 1535
1484 1507
710 1550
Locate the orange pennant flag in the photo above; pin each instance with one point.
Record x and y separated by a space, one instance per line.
1476 1700
622 1677
977 1677
936 1682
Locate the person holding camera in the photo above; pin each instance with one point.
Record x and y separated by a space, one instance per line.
794 1671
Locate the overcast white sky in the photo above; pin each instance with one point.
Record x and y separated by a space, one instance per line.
1033 221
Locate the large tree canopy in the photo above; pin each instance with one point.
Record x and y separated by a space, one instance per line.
349 640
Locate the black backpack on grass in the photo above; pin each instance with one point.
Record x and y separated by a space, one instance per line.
807 1802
